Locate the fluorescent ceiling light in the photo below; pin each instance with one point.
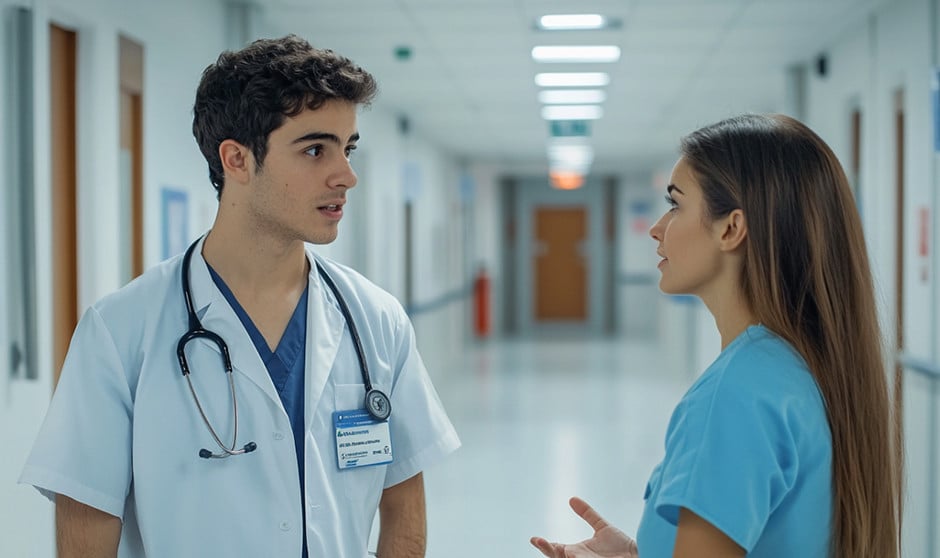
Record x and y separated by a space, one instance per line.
571 160
572 112
589 54
570 155
562 22
571 96
572 79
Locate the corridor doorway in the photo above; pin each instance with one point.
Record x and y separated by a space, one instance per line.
561 275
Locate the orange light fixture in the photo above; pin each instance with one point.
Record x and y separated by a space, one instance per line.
566 180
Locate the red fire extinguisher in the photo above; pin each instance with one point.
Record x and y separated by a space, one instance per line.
481 303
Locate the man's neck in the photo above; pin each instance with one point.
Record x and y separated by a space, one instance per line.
253 263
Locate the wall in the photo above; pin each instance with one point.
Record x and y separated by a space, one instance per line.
172 68
894 51
640 205
372 235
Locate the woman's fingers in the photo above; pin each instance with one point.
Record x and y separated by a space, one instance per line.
587 513
552 550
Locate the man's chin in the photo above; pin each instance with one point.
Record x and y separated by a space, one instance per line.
321 238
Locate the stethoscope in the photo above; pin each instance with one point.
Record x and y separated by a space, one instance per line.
377 403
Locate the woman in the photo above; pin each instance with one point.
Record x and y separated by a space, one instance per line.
784 446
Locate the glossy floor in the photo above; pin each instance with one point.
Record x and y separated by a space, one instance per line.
542 420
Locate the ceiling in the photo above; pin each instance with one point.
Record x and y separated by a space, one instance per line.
469 84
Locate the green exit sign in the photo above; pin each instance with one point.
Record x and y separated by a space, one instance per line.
569 128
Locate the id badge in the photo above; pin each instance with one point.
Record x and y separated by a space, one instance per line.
361 440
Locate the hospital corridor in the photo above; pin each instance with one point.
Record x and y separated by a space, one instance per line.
541 421
489 262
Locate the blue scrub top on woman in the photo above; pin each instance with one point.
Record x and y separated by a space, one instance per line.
749 450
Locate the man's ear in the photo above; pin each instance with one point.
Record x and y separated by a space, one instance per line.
733 230
237 160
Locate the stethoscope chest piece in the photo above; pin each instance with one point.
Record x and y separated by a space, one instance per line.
378 405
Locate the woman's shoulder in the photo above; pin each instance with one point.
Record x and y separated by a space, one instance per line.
761 366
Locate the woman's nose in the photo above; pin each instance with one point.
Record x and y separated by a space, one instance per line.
656 231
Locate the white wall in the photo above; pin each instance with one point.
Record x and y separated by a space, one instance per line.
377 207
894 51
640 205
179 39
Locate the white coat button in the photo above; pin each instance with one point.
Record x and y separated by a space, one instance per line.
285 526
278 436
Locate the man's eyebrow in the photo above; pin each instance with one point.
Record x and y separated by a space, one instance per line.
333 138
673 188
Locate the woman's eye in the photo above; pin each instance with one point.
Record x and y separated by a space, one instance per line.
315 150
349 150
672 203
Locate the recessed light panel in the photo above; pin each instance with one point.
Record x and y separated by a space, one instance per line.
583 54
572 79
571 96
564 22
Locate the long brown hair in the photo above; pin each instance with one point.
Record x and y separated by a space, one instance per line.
806 277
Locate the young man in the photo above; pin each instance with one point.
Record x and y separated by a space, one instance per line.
249 398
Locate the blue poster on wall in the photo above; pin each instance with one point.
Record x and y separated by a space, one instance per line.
935 106
174 209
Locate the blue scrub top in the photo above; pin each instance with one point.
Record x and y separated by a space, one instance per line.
286 365
749 450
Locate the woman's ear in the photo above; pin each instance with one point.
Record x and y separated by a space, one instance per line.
734 230
237 160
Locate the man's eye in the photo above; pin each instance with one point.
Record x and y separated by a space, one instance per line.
349 150
315 150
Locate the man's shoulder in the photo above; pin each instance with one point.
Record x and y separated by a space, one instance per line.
147 291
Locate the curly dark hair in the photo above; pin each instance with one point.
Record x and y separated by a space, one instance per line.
247 94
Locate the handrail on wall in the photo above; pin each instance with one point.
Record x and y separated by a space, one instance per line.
921 366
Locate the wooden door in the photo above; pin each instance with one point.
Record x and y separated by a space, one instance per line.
62 80
900 201
132 156
561 276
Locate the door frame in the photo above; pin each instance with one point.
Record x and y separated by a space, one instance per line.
533 192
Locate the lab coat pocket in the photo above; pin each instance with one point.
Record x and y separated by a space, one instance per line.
361 484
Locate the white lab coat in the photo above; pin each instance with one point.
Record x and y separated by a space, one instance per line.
122 433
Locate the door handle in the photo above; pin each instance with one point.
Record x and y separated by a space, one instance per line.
16 359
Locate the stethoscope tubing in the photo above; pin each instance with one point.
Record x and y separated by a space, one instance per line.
376 402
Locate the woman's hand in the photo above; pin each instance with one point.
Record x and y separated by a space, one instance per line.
607 542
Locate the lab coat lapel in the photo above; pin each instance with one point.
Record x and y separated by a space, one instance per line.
221 318
325 326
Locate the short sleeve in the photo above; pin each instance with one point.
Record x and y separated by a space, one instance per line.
730 459
421 432
83 449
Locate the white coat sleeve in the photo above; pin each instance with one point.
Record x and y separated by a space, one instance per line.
83 449
421 432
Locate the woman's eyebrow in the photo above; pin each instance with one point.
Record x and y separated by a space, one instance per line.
673 188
